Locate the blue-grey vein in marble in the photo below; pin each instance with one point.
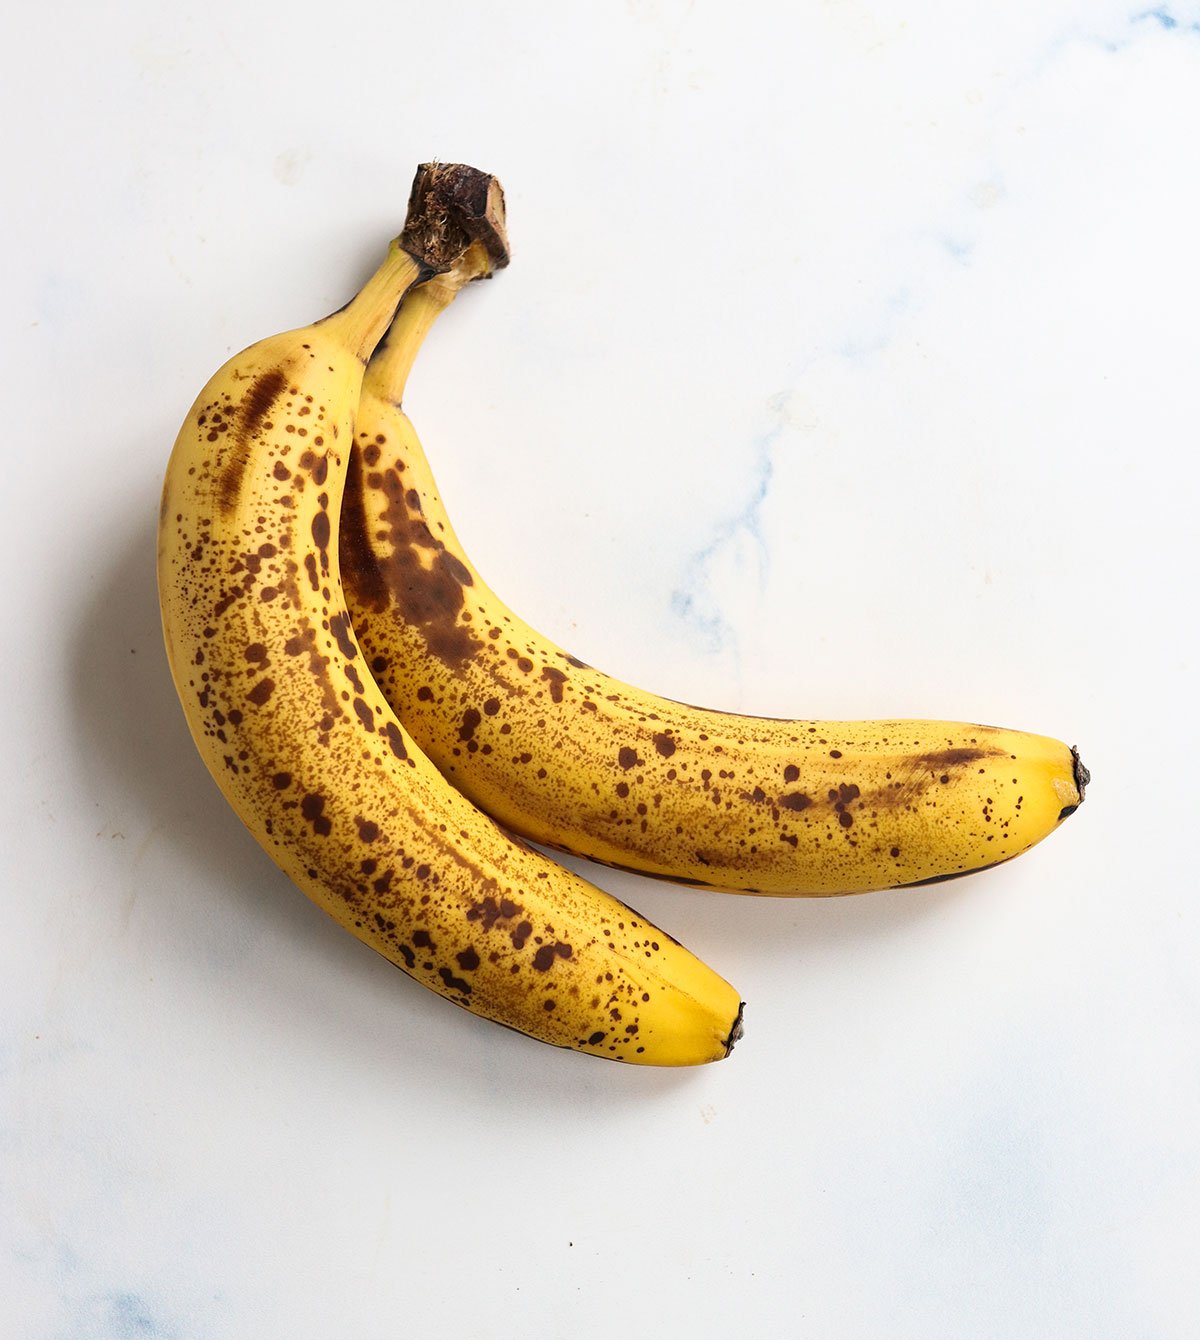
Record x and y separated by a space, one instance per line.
738 535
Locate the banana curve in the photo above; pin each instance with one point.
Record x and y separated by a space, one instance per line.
575 759
292 726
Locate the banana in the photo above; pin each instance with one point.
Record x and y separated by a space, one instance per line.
299 738
574 759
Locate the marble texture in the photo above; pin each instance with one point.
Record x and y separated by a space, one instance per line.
847 366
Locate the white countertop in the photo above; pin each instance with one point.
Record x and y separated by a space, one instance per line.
846 366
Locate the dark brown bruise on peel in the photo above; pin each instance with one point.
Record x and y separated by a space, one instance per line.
252 413
957 757
555 678
930 769
361 571
419 574
259 399
937 763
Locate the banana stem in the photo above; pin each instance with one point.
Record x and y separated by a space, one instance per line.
388 371
455 231
361 323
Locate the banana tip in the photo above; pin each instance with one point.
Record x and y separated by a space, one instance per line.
1082 778
735 1033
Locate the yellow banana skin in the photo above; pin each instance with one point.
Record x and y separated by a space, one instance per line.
294 730
577 760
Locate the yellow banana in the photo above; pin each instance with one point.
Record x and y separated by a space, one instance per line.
577 760
293 728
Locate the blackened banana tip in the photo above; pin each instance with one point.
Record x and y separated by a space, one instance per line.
1082 775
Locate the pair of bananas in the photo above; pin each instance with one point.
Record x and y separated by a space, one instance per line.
385 726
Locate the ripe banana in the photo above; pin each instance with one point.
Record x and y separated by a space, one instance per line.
293 728
572 758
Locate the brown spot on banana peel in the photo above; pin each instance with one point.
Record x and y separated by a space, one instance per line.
305 640
255 406
395 740
261 692
793 800
321 532
556 679
312 808
454 983
929 769
360 570
490 910
956 757
543 960
339 626
430 598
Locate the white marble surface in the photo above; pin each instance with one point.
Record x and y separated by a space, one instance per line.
847 365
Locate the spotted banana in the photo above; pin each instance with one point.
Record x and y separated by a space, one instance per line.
573 758
290 723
